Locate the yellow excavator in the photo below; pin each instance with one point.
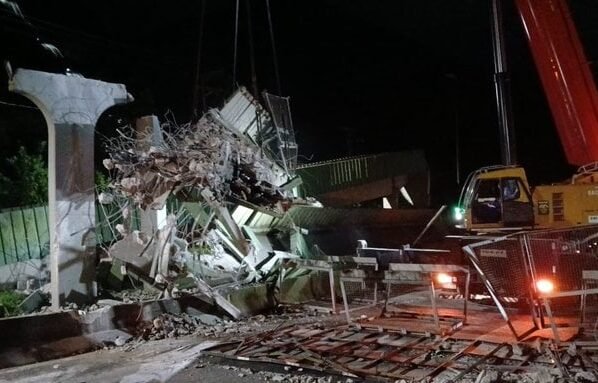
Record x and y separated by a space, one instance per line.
499 198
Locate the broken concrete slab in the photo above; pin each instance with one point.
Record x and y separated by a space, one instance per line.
131 250
217 298
252 299
34 338
155 361
108 302
209 319
114 337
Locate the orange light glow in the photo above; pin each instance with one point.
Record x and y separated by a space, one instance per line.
443 278
544 286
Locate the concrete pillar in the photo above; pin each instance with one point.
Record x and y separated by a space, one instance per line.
148 135
71 106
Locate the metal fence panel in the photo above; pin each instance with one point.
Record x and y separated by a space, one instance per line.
502 263
563 255
25 232
566 258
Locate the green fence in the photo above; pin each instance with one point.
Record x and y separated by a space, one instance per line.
25 234
24 231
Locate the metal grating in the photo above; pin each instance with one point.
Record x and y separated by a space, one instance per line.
374 355
280 136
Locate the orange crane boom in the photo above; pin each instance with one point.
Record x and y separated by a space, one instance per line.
565 75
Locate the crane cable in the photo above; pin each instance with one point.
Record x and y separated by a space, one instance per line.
251 50
197 82
274 56
235 44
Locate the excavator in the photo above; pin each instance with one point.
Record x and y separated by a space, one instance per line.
500 198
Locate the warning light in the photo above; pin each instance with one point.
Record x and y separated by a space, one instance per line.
458 213
544 286
443 278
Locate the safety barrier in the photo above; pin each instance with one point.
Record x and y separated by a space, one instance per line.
553 271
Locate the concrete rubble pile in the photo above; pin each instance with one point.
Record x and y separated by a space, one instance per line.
209 167
205 157
289 376
168 325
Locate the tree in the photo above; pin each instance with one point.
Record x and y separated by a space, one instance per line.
26 181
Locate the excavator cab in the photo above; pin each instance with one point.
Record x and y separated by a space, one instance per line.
495 198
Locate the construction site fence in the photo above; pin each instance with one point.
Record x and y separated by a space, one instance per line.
511 266
25 231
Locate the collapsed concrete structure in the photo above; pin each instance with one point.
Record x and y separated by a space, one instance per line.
235 162
243 213
233 176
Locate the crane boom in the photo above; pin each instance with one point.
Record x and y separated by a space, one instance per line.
565 75
500 197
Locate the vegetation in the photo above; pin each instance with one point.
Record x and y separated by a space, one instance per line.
102 182
25 181
9 303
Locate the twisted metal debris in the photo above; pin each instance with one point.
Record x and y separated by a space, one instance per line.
234 155
193 158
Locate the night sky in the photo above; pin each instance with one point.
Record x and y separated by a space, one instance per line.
363 76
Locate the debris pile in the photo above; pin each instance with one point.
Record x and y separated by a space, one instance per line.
410 356
206 325
204 155
286 374
225 160
168 326
290 376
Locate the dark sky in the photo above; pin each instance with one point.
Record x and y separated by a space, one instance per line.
363 76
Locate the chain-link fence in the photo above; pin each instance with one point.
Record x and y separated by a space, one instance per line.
563 255
552 270
502 263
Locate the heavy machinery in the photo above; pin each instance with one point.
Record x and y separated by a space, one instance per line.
499 198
